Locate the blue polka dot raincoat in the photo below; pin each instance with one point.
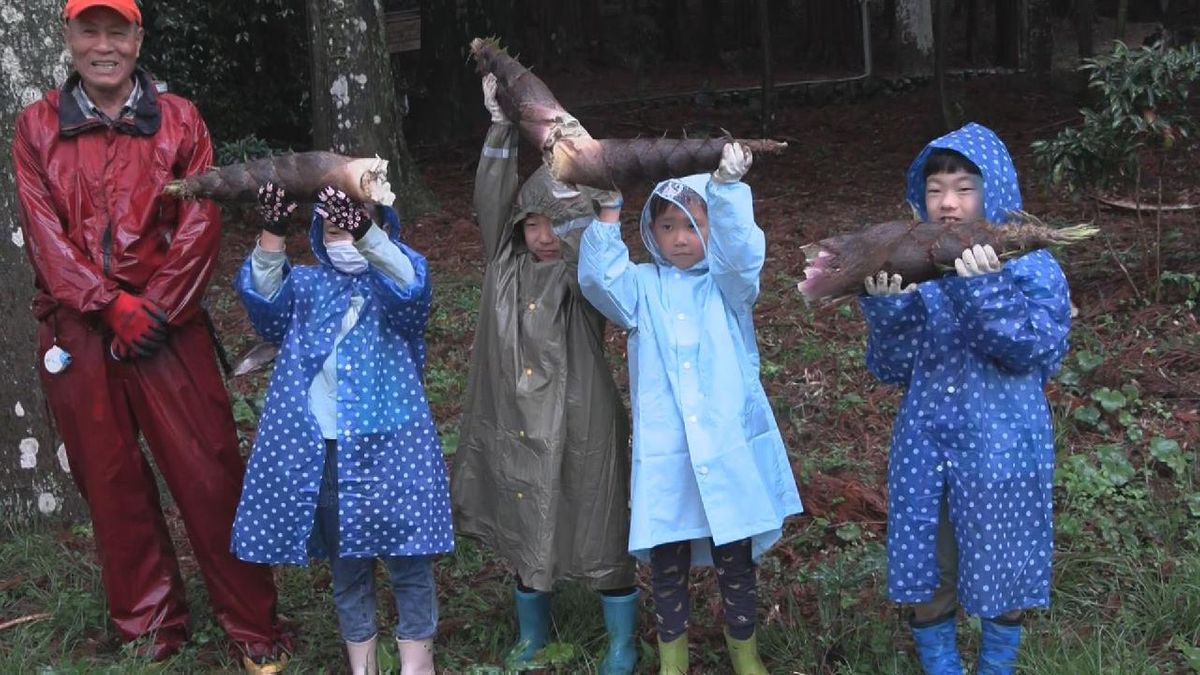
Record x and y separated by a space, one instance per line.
975 355
392 488
708 458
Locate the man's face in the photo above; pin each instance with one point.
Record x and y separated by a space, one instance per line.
677 240
954 197
104 47
540 238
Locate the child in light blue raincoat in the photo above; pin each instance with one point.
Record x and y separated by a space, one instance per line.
347 464
972 458
711 479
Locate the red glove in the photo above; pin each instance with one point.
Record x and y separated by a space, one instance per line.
139 324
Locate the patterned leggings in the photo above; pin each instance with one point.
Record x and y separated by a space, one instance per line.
669 567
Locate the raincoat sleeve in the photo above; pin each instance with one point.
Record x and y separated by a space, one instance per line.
178 285
1017 317
895 329
404 304
496 185
69 276
385 256
269 309
607 277
736 245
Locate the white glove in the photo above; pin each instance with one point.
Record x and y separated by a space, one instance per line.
880 284
977 261
604 199
735 162
489 100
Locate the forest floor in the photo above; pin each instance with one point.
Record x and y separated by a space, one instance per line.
1126 589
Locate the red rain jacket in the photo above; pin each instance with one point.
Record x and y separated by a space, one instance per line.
91 204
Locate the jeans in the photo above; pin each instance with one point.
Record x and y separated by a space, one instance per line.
354 578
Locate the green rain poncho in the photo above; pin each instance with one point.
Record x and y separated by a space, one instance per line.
542 469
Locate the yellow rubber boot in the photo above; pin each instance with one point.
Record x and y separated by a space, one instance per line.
673 656
744 655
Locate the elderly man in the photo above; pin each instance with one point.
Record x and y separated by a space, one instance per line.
120 271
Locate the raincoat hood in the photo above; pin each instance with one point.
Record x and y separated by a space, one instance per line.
981 145
385 217
537 198
670 190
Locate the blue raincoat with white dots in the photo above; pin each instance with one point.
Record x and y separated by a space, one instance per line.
708 458
392 489
974 354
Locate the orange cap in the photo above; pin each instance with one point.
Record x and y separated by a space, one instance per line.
126 8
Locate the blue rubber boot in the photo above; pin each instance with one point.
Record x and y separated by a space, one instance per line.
937 646
998 647
533 618
620 617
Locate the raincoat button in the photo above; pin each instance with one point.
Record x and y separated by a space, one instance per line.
520 495
687 365
950 389
532 306
529 371
692 419
521 434
681 316
703 470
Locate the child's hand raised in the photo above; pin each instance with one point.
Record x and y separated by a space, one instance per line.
489 100
735 162
339 210
274 207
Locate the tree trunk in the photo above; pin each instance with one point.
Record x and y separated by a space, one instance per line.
1085 15
826 33
914 28
768 77
941 36
354 94
34 477
1041 36
1008 33
1122 16
973 51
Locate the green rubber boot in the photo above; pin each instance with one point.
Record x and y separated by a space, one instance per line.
673 656
744 655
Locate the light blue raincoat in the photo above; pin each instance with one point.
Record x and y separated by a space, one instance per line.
392 490
975 355
708 459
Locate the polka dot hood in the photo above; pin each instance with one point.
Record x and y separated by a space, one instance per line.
981 145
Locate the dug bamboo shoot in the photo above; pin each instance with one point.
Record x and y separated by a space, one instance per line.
300 174
571 153
836 267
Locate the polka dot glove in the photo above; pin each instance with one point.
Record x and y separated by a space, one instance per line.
342 212
275 209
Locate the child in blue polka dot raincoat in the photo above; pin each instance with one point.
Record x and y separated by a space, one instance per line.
971 465
712 483
347 464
